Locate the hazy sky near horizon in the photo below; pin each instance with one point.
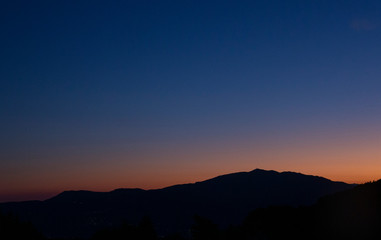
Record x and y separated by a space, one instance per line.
99 95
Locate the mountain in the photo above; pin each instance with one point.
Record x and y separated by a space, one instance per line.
224 199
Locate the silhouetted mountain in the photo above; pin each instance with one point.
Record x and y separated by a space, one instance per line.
225 200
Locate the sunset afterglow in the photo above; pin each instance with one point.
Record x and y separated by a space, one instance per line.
148 94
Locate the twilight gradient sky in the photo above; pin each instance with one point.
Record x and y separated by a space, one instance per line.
100 95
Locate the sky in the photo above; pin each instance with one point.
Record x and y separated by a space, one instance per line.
99 95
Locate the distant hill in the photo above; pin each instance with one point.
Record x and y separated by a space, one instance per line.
226 199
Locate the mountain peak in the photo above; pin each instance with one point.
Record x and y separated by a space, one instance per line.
259 170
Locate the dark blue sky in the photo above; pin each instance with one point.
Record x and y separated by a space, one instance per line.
80 78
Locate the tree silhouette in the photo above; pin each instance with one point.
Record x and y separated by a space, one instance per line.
204 229
12 228
144 231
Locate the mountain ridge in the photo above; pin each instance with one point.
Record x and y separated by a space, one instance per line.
257 170
225 199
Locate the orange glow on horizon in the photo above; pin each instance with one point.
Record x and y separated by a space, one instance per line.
351 161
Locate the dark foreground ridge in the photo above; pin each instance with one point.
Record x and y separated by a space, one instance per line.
347 215
223 200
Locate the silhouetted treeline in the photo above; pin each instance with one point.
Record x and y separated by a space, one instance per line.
143 231
351 214
12 228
